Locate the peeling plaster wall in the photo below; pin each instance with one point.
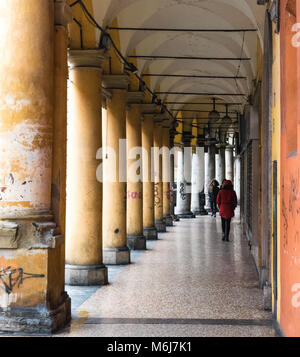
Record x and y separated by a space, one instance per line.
289 179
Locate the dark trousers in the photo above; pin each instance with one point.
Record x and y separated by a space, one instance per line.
213 206
226 227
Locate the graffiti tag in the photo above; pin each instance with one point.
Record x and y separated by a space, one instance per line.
9 278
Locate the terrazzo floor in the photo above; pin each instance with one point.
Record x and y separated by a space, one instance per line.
189 283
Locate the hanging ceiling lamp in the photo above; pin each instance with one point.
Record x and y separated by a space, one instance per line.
214 115
226 119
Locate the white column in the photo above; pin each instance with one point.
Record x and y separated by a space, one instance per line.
220 164
210 170
197 179
229 162
183 206
237 177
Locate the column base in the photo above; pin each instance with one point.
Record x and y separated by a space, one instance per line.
160 226
200 212
86 275
36 320
116 256
168 220
136 242
175 218
150 233
186 215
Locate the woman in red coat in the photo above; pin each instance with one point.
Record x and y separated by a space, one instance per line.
227 202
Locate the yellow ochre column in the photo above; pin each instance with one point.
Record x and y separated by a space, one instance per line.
166 173
158 185
84 189
63 16
150 231
32 298
135 237
115 250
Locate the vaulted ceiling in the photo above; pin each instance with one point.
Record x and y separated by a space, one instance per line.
190 14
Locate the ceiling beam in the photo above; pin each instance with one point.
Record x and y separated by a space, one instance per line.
197 111
193 103
202 94
191 76
193 58
177 30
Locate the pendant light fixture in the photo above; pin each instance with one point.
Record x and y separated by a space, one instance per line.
214 115
226 119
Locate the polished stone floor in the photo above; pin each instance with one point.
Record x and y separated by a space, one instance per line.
189 283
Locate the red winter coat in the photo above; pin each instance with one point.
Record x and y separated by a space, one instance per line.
227 200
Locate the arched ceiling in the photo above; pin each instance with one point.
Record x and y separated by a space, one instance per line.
190 14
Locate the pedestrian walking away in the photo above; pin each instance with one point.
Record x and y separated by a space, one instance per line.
213 193
227 202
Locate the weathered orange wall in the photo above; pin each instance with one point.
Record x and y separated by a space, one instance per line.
290 179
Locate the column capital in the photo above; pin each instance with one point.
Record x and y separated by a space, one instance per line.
115 81
159 118
210 141
221 145
62 13
86 58
229 147
149 108
135 97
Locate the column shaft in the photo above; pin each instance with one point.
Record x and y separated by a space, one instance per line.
210 170
220 164
114 193
166 177
150 231
197 181
84 203
229 163
158 184
59 156
237 177
183 206
135 237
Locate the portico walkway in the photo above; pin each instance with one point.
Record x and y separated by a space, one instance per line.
188 283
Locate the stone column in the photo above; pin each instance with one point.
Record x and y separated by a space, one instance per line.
84 204
166 176
63 16
150 231
32 297
198 181
210 170
184 182
237 177
229 163
135 238
115 249
172 184
220 163
158 185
